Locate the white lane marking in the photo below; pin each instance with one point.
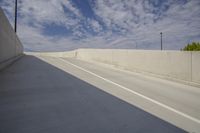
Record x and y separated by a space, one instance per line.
136 93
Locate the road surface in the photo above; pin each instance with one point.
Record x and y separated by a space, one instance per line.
41 94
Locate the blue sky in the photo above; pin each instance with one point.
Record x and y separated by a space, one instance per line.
60 25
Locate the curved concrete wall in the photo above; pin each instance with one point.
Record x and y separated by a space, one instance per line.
10 45
68 54
174 65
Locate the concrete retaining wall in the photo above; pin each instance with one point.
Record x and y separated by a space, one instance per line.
68 54
195 61
174 65
10 45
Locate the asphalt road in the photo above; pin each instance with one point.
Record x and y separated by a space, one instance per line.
46 94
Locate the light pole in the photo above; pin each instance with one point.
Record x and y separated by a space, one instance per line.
161 47
15 15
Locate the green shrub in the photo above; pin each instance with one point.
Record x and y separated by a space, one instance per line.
194 46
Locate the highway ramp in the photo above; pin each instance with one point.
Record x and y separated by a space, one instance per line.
41 94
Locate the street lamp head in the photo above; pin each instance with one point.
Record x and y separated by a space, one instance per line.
161 33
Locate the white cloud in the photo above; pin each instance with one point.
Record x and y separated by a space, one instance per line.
48 12
33 39
35 14
95 25
126 23
179 23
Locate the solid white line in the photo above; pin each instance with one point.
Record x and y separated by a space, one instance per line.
136 93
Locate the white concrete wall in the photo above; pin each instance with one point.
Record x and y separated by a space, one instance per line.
174 65
68 54
100 55
10 45
195 67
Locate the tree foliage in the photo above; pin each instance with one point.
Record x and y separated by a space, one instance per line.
194 46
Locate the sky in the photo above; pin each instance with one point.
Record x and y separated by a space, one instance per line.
61 25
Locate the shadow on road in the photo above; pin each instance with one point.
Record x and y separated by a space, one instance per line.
36 97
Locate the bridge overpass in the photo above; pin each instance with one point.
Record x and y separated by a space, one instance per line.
98 90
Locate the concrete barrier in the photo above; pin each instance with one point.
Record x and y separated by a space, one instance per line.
99 55
195 62
10 45
67 54
179 66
